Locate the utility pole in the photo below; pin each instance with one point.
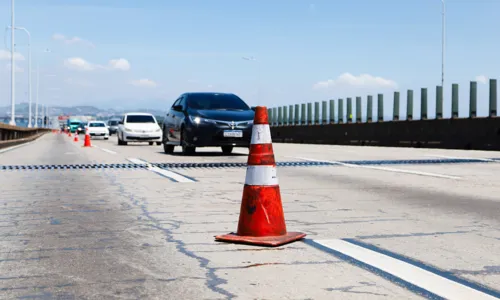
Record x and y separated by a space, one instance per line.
443 42
13 71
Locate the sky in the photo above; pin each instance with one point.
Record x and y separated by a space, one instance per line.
124 54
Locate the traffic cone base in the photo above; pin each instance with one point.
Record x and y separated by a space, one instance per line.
261 221
270 241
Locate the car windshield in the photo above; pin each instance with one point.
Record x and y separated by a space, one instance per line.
97 125
75 123
140 119
113 122
216 102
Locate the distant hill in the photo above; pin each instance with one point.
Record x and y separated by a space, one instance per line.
23 109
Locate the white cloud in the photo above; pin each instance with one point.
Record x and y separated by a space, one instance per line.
80 64
6 55
18 69
482 79
363 80
72 40
143 83
119 64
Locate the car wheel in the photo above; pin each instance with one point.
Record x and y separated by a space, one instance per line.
169 149
158 143
227 149
106 138
151 143
186 150
120 142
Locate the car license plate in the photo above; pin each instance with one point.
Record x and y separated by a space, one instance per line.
233 133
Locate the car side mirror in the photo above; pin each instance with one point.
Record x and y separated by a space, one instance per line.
253 108
121 122
177 107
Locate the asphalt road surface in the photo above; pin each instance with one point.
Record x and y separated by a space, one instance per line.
405 230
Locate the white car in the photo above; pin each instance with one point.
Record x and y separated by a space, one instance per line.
139 127
97 128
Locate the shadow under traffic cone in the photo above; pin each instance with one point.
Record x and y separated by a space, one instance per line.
87 143
76 137
261 221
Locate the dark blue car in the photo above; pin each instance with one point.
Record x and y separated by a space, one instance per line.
207 120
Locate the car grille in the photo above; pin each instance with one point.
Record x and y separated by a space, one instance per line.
232 125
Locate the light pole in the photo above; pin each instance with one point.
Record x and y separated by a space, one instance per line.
29 62
37 88
13 71
443 42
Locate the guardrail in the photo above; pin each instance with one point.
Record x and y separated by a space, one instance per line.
13 135
300 124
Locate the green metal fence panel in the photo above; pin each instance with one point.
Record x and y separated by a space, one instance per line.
332 111
409 105
423 104
349 110
395 107
473 99
380 110
358 109
341 111
454 101
369 109
316 113
309 113
439 102
493 97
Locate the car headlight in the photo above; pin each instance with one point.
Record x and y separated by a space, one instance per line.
127 129
158 130
200 120
79 128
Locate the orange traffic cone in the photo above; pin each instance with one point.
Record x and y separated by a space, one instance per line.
76 137
86 143
262 221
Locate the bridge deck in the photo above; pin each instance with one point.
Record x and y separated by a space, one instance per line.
112 228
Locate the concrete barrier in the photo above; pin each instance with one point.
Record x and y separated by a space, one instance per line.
300 124
13 135
477 134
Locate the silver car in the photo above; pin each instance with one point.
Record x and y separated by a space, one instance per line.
113 126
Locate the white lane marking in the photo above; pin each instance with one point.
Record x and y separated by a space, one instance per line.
427 280
105 150
136 161
261 175
169 174
420 173
166 173
261 134
454 157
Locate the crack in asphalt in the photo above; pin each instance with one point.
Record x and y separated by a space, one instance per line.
213 282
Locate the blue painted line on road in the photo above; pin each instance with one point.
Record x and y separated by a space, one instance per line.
396 280
219 165
419 264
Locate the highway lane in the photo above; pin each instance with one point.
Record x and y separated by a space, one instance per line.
134 233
